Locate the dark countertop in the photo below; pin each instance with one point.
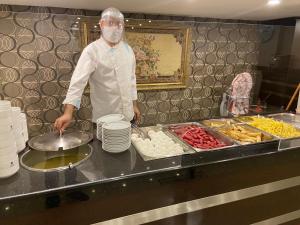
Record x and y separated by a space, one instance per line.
103 167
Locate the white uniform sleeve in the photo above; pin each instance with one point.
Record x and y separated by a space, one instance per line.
133 79
84 68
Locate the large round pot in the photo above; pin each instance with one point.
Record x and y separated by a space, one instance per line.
47 161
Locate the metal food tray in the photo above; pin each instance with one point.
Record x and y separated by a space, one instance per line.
240 120
284 143
230 143
287 117
270 137
208 122
143 133
278 137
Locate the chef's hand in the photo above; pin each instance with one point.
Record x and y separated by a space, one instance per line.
62 122
137 113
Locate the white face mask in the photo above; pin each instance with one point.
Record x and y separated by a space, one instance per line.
112 34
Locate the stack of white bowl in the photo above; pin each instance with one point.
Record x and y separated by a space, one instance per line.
9 161
24 126
116 136
107 119
18 128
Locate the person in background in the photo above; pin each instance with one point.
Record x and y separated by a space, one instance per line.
109 65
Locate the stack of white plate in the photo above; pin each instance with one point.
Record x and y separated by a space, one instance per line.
107 119
24 126
9 161
18 128
116 136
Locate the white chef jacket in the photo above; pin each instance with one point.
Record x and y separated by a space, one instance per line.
111 75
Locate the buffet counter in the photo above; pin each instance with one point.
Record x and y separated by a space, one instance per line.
123 188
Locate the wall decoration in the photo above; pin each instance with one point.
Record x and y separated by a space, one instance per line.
39 51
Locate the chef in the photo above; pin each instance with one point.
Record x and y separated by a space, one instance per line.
109 65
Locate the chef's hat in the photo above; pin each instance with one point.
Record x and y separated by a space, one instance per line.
112 12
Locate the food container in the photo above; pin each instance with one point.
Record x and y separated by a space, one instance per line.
244 134
214 123
245 119
52 151
291 118
142 133
279 129
200 139
45 161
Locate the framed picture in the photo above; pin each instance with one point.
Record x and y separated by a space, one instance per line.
162 51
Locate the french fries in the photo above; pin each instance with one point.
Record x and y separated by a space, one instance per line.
241 134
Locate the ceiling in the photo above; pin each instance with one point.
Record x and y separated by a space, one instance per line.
224 9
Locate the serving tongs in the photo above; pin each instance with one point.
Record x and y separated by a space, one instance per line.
141 133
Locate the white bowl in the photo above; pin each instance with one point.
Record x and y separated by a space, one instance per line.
24 126
7 113
7 144
16 109
20 142
7 172
9 168
8 150
5 124
5 159
4 104
7 137
6 130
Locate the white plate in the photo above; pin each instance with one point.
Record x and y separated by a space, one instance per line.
120 125
116 150
120 133
107 119
116 135
114 144
104 129
116 141
110 118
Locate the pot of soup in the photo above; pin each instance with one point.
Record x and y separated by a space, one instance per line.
54 151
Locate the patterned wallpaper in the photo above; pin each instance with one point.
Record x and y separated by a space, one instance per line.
38 53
